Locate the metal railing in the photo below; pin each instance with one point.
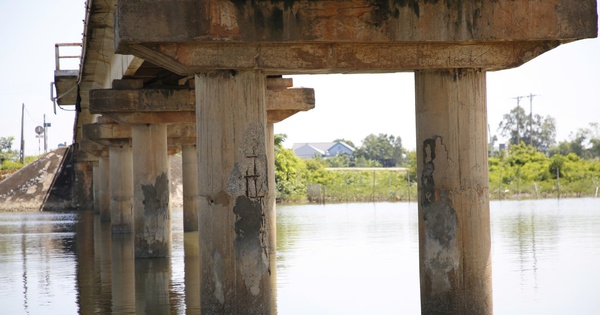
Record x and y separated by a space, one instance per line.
58 56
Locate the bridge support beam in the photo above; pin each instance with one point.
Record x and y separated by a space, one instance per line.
104 190
235 214
454 221
151 200
121 189
189 160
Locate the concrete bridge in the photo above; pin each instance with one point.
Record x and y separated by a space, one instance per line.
204 78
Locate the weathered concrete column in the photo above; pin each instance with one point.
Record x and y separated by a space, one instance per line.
96 187
83 190
104 191
121 189
271 204
151 201
454 221
189 170
234 217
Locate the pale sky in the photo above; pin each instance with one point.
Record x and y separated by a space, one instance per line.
567 80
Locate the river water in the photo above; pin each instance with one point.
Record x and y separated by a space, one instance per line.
332 259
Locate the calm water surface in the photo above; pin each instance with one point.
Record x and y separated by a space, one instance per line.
332 259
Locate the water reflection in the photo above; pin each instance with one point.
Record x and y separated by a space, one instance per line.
540 260
111 280
333 259
37 263
348 259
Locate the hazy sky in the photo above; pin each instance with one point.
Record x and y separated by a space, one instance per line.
567 80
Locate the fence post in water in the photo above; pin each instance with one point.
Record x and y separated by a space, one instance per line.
557 183
408 181
373 193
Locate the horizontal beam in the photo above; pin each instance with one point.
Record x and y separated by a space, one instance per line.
355 21
354 36
111 131
132 118
321 58
138 106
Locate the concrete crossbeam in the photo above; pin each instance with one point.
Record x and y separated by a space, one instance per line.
329 36
141 105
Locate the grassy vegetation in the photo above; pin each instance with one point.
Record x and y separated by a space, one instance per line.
520 172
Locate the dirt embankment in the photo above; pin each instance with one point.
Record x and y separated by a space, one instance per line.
26 189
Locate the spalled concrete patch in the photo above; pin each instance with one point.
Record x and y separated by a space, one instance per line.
250 242
441 256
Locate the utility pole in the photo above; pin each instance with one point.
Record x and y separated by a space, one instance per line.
531 96
46 125
22 154
518 98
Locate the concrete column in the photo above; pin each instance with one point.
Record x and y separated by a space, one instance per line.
454 219
151 200
189 170
234 217
104 191
96 187
271 204
121 189
83 191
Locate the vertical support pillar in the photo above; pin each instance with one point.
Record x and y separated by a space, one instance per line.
96 187
189 171
104 191
121 189
83 191
151 200
271 206
234 217
454 220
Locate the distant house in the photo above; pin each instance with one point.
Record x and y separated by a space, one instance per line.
322 149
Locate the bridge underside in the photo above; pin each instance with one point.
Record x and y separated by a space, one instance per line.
203 76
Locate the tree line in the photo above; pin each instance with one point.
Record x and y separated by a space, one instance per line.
531 165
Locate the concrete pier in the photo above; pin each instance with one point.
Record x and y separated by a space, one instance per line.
104 190
189 158
121 189
152 208
454 218
234 215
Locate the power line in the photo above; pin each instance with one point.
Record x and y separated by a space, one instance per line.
30 117
530 97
